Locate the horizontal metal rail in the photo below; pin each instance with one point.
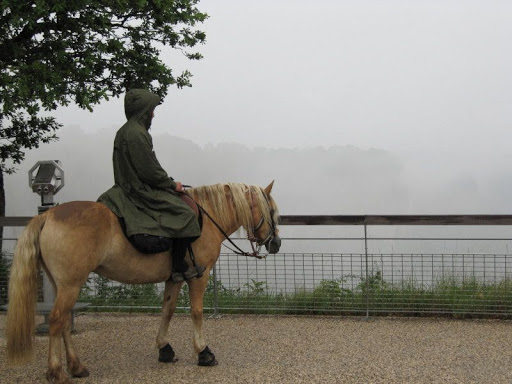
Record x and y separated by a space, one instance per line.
396 220
19 221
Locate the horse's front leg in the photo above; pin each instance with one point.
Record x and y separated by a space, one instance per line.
171 293
196 291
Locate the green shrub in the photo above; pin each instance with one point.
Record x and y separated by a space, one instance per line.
5 266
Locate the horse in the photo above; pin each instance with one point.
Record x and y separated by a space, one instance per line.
75 238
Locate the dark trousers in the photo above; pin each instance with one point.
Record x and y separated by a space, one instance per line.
156 244
179 250
150 244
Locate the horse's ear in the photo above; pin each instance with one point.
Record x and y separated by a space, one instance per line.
269 188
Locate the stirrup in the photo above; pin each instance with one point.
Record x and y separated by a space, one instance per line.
177 277
193 272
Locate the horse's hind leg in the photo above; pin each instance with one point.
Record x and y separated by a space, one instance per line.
171 293
75 367
60 319
197 288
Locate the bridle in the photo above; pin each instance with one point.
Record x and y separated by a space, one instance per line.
256 244
271 233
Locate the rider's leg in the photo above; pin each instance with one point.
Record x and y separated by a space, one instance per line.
180 269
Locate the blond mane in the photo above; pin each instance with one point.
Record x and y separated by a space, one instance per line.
222 199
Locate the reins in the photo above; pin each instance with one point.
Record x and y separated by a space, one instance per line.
238 251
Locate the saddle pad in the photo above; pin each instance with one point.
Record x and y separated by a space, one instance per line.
192 204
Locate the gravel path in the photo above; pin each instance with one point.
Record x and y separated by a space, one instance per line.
120 348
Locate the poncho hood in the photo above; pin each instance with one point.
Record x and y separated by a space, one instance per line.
138 105
144 194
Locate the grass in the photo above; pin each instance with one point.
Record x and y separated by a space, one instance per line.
449 297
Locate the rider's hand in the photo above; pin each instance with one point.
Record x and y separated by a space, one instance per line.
179 187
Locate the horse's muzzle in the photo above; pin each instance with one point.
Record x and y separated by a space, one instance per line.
273 245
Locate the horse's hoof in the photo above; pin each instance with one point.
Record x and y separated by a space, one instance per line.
207 358
56 377
77 369
167 355
84 372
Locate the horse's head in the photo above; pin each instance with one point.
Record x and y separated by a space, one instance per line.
236 205
266 217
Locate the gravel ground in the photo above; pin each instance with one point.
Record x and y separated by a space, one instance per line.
120 348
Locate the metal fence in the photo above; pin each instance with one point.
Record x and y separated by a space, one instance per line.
415 265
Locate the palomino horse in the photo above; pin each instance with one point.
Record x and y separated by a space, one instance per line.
76 238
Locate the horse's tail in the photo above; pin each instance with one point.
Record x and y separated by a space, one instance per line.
23 293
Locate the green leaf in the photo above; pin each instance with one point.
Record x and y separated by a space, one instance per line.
83 52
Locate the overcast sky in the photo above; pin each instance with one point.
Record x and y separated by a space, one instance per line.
427 82
399 75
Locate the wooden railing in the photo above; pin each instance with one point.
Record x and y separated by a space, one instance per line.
14 221
20 221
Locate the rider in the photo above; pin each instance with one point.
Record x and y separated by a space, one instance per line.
144 197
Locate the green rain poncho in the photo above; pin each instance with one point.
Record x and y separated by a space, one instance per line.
143 194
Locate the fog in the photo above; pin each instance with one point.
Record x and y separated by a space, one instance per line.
337 180
317 180
352 107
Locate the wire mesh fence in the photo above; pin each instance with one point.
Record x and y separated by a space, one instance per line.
331 283
359 282
458 284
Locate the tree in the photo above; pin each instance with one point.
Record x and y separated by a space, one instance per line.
57 52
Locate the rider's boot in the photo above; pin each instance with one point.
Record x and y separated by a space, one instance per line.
180 269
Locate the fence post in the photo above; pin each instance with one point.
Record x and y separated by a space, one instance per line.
215 293
367 283
48 180
48 290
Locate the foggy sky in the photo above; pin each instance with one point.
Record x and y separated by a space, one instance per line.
352 106
393 75
336 180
